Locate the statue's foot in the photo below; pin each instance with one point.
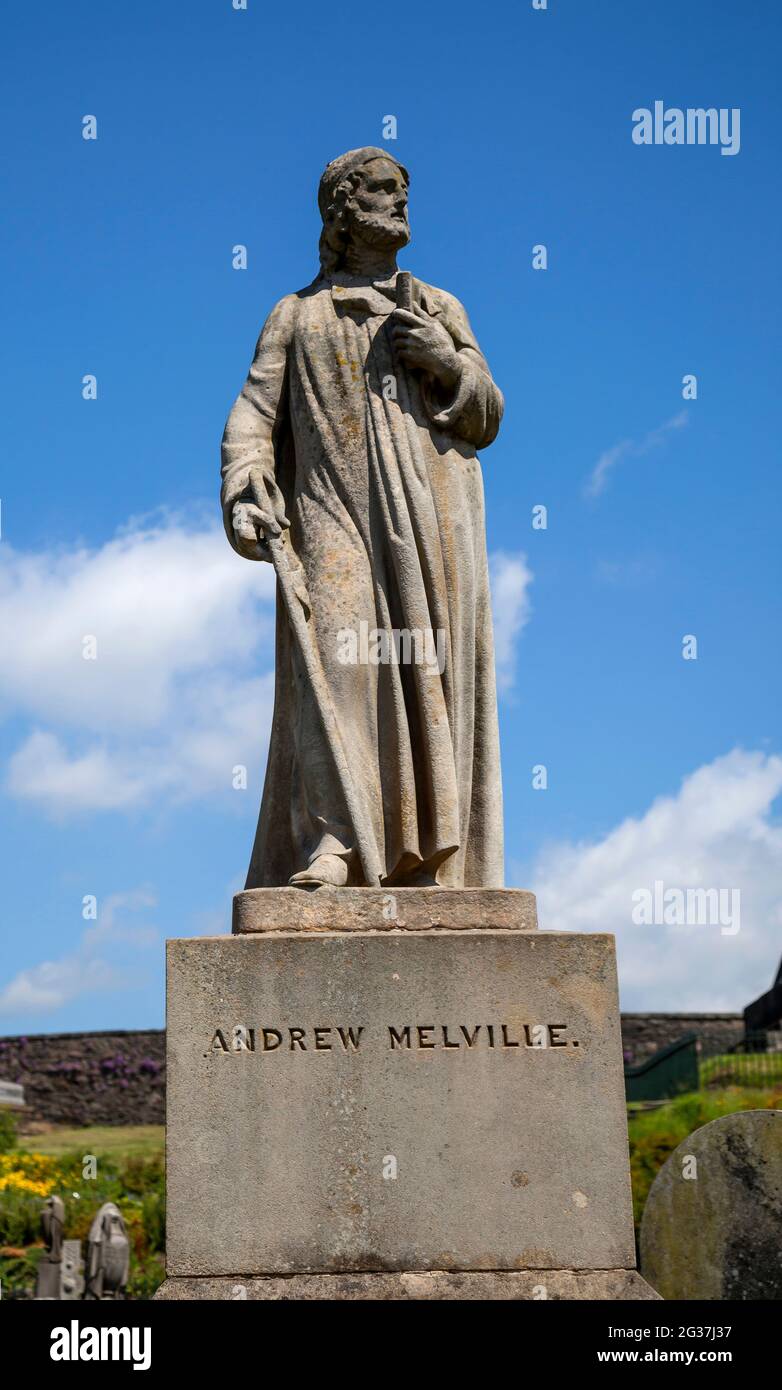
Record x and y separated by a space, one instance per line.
326 869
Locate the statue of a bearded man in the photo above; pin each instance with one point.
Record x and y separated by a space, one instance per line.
349 461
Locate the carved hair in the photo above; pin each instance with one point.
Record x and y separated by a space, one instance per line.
333 198
334 236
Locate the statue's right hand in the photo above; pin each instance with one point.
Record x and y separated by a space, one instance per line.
256 522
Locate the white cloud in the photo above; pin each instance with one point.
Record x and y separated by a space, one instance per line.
216 727
46 987
173 700
163 600
43 771
182 687
510 581
110 927
630 448
716 832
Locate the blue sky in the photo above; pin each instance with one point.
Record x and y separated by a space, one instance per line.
213 128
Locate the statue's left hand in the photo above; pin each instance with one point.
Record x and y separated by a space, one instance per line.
423 342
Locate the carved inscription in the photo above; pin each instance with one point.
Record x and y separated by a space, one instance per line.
405 1037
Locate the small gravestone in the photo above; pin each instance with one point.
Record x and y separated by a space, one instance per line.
712 1227
72 1270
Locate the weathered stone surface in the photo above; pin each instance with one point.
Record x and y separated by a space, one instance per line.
552 1284
49 1272
349 461
108 1254
380 909
72 1271
712 1226
507 1155
98 1095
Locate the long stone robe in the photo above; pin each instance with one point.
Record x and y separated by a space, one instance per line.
385 500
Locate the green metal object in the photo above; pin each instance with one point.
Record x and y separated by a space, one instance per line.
668 1073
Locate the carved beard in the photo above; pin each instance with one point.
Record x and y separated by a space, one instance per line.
385 233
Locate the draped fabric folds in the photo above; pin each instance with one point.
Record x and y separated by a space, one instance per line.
385 499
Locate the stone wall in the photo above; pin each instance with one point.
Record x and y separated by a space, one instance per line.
119 1078
89 1078
644 1034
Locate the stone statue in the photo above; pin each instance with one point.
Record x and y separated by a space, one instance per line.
59 1273
349 461
108 1255
47 1283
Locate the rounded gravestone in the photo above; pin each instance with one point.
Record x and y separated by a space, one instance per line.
712 1226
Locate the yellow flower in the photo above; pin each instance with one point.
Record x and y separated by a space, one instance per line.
35 1174
17 1181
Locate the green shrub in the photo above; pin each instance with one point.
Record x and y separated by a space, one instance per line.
19 1272
8 1129
153 1216
146 1276
135 1182
20 1218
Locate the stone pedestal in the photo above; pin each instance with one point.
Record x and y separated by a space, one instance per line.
403 1094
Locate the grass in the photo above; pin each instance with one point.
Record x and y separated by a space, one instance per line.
105 1141
654 1134
742 1069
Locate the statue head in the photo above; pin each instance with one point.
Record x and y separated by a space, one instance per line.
362 198
107 1221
